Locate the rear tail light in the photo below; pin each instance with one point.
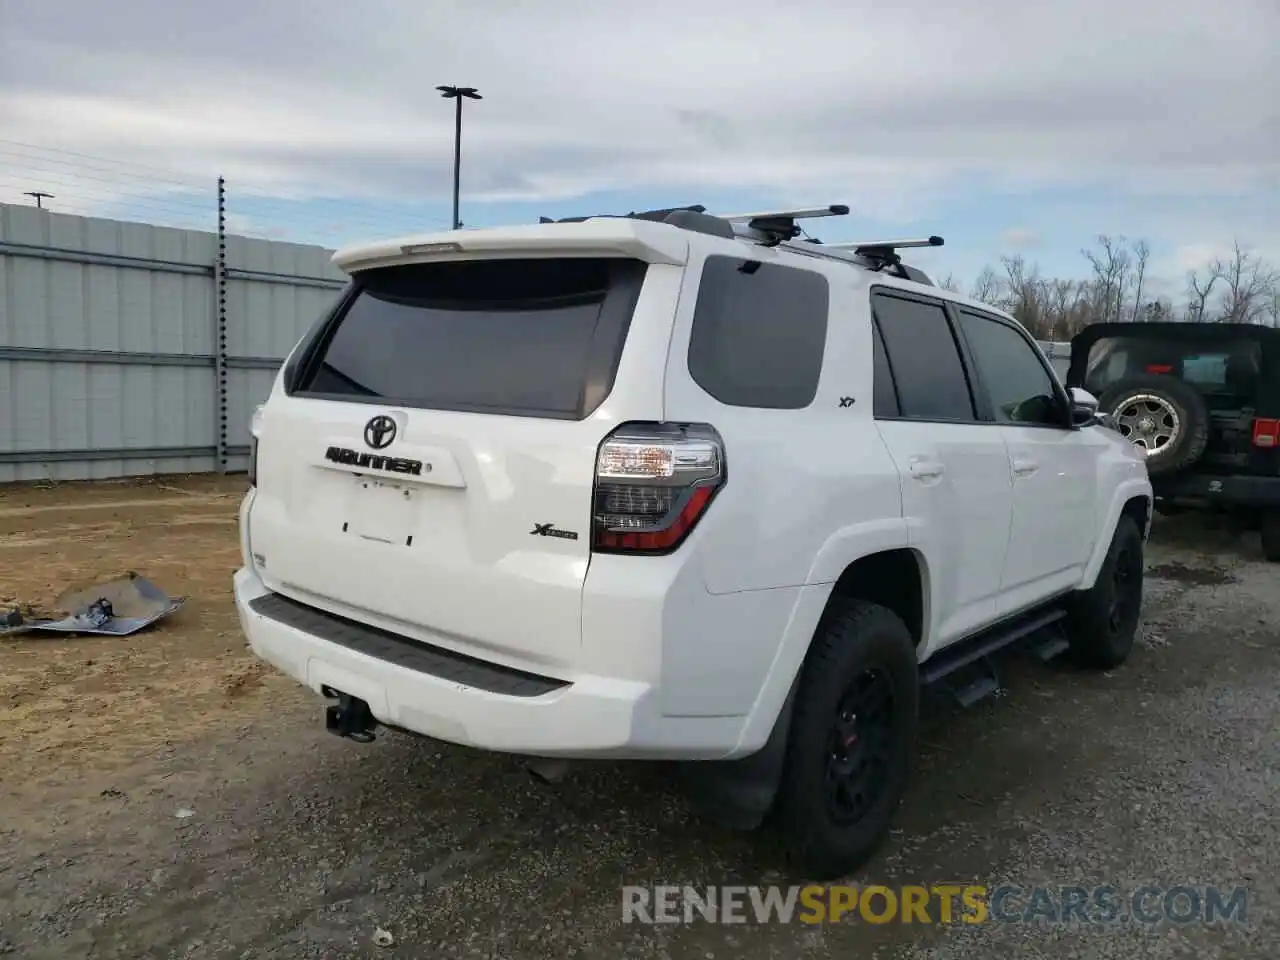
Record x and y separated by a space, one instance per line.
652 486
1266 433
1159 368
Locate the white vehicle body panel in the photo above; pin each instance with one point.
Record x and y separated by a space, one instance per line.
687 655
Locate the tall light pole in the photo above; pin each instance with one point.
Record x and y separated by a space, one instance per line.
40 196
458 94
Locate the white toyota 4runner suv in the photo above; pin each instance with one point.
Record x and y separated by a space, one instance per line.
674 486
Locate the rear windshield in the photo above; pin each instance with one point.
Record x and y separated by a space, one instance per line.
1218 367
530 337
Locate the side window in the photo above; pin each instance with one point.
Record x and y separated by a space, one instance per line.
925 360
759 333
1020 388
884 396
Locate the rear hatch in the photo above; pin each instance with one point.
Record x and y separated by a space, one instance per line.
1229 372
426 464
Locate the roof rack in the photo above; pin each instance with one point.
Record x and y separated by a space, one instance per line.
778 225
880 254
771 228
658 215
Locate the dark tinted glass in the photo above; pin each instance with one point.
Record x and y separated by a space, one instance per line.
926 362
1020 389
759 333
1231 368
884 396
523 337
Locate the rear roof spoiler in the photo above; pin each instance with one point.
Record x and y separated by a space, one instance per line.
647 241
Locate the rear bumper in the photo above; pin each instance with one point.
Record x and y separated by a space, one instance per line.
1239 490
579 717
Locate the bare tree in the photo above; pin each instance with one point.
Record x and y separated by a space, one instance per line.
1200 284
1068 308
1111 267
986 289
1248 283
949 282
1026 295
1241 289
1141 253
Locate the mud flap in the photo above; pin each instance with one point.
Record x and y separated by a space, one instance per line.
738 794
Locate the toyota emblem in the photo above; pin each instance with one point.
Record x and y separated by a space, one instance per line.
379 432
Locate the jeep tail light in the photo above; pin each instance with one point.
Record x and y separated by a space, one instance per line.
652 485
1266 432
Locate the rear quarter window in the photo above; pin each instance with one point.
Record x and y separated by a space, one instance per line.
759 333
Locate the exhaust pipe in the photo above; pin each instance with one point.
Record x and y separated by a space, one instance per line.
547 771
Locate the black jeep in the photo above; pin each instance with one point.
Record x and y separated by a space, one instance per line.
1204 400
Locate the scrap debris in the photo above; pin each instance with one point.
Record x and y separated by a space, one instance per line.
116 608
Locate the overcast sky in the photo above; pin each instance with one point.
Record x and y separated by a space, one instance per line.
1005 126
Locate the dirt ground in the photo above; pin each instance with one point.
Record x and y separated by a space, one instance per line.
165 795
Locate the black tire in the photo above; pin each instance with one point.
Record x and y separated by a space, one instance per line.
860 649
1192 435
1270 530
1102 621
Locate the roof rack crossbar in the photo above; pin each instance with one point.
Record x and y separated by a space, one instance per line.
774 227
771 227
808 213
879 254
861 245
658 215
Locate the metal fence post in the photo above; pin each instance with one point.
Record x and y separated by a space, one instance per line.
220 335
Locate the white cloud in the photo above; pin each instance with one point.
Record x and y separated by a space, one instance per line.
895 109
583 96
1019 238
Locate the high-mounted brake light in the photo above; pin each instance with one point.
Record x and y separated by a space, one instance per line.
653 484
1266 432
447 246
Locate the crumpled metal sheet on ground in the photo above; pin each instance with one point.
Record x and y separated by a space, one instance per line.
115 608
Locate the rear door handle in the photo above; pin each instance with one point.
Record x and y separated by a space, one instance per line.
923 469
1023 467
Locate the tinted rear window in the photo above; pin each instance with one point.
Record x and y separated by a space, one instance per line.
532 337
759 333
1230 368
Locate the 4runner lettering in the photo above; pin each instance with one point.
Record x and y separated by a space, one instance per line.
760 590
375 461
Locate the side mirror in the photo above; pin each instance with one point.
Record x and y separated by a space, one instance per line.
1084 406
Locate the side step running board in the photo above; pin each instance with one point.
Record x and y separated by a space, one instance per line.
967 652
981 688
1053 645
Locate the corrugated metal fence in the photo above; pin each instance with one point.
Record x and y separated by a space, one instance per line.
131 349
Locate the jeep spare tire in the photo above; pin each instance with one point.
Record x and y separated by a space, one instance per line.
1164 415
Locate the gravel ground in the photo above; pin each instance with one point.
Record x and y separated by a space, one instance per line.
215 818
